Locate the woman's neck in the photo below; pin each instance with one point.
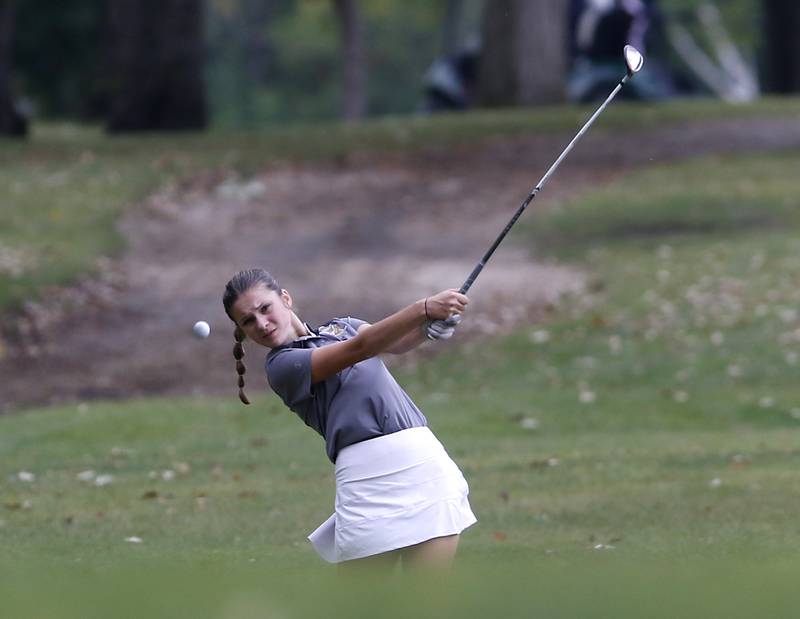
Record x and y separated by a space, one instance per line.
300 328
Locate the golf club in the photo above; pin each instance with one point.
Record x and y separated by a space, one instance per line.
634 61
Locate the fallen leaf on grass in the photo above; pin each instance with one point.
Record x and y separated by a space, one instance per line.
544 463
499 536
740 461
529 423
182 468
680 396
539 336
599 321
735 371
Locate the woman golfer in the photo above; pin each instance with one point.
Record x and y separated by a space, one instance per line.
398 493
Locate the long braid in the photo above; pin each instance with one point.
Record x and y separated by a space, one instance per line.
239 283
238 354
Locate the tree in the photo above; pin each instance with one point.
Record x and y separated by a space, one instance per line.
781 67
354 63
11 121
57 55
241 57
523 59
451 21
156 65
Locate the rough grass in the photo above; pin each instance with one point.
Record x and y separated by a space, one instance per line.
62 191
693 201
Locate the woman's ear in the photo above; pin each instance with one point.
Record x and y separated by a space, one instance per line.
286 297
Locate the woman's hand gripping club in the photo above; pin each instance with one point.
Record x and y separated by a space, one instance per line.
444 311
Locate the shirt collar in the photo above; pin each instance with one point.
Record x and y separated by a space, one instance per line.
311 333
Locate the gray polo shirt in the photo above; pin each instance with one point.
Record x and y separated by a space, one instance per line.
359 403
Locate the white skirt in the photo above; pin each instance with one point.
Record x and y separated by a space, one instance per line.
393 491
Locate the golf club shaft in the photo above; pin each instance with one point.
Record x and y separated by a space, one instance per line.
479 267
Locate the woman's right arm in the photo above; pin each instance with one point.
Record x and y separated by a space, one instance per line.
379 337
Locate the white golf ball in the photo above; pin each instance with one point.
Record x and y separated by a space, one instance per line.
201 329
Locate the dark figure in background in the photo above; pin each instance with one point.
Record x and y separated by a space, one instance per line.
450 82
598 30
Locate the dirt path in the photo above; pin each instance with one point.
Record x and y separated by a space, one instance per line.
359 239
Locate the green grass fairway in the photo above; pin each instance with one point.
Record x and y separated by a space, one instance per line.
635 455
607 589
207 481
572 523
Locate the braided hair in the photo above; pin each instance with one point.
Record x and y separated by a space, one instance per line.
239 284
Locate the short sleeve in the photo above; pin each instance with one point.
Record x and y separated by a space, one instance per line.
289 375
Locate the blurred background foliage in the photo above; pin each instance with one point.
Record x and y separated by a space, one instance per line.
280 61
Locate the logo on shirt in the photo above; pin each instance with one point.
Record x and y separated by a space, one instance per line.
332 329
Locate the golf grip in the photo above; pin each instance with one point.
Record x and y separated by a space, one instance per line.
482 263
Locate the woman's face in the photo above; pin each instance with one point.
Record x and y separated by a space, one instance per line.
265 316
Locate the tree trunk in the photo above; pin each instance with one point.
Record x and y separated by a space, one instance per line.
451 26
258 52
523 59
243 33
781 24
354 63
156 59
11 121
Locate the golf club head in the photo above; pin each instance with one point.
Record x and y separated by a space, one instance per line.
633 58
